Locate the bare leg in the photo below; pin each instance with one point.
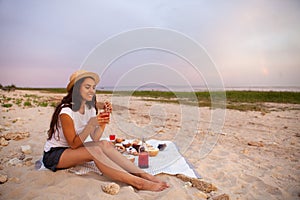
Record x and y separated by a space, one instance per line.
123 162
109 168
118 158
135 181
72 157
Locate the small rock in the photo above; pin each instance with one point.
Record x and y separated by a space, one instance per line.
187 185
22 156
28 159
38 164
3 142
19 164
26 149
197 183
16 135
184 178
203 186
14 120
14 179
3 178
13 162
245 151
4 160
28 163
2 128
7 124
111 188
257 144
221 197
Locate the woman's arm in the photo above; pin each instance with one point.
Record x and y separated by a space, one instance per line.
97 134
103 119
74 140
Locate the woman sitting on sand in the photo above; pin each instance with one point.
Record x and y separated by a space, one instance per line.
73 120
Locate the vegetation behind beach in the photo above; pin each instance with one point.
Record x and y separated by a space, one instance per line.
239 100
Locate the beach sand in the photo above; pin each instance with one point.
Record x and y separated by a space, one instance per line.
255 156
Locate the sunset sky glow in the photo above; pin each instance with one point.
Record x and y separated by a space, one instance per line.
252 43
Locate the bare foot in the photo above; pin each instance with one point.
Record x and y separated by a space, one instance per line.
150 177
153 179
153 186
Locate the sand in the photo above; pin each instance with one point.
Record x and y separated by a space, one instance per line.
255 156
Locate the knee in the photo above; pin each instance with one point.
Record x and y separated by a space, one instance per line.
105 144
95 150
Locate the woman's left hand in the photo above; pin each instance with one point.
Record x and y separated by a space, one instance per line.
107 106
103 118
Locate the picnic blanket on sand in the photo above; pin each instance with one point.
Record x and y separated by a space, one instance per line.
168 161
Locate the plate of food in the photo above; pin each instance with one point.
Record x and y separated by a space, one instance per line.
120 147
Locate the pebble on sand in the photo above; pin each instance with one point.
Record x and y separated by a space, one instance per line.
3 178
26 149
111 188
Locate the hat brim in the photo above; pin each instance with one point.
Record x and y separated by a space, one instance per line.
83 75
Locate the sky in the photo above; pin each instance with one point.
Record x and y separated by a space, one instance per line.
250 43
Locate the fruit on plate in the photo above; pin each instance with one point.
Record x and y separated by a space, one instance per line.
120 147
136 141
126 144
132 151
119 140
152 151
136 146
161 147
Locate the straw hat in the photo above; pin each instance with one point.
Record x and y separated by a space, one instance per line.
81 74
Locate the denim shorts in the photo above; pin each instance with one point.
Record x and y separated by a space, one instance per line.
51 158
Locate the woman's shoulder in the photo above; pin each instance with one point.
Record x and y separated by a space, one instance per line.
66 110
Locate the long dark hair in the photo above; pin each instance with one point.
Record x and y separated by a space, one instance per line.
71 100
